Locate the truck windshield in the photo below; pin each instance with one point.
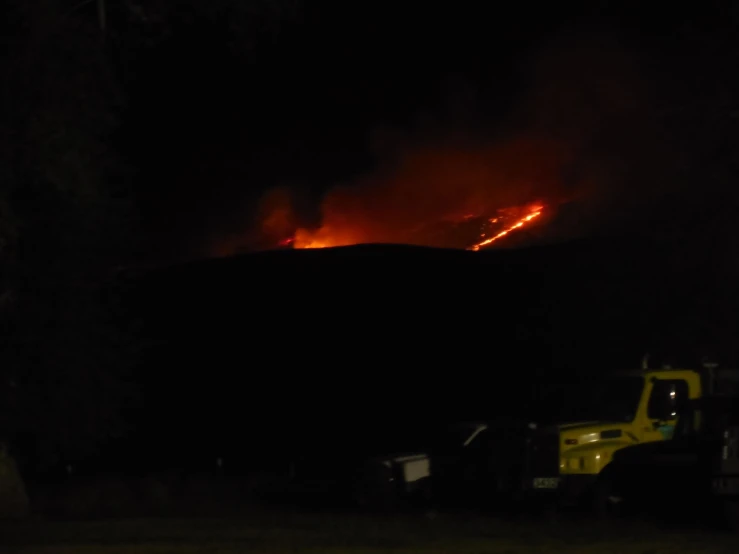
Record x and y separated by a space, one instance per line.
611 399
453 437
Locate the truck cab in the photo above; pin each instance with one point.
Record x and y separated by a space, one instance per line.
598 417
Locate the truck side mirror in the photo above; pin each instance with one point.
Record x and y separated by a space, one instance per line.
663 405
672 403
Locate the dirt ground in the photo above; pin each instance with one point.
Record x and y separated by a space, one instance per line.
348 534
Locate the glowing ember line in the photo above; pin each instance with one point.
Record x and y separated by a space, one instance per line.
520 223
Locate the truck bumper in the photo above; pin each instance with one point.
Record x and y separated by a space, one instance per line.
570 490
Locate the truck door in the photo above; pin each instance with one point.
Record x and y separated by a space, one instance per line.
667 399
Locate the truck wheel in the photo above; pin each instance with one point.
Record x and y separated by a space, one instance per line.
376 489
424 495
605 503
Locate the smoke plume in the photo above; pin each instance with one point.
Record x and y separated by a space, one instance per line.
577 135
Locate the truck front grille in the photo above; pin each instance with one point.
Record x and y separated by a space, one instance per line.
542 455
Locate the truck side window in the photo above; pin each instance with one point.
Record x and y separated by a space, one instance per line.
667 399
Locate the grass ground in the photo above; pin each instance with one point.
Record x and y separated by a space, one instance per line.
353 535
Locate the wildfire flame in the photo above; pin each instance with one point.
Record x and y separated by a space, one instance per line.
323 238
326 237
520 223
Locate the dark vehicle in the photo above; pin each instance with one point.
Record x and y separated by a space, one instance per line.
694 475
436 471
376 468
726 478
477 465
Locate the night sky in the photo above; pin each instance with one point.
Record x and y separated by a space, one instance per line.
605 113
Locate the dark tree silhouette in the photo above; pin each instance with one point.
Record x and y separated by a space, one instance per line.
66 205
64 214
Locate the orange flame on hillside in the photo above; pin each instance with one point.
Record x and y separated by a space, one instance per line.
520 223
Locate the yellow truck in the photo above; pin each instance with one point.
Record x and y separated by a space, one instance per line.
567 463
